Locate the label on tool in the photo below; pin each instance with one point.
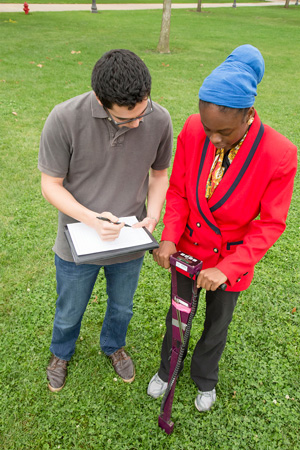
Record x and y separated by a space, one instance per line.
181 266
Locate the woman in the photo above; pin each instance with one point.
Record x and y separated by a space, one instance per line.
227 204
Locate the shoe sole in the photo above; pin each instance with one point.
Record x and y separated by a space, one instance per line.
52 389
130 379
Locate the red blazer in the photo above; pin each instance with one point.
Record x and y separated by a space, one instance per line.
247 212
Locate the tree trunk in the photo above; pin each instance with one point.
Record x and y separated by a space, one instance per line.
163 45
287 3
199 6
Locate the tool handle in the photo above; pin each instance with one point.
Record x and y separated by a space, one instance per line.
223 287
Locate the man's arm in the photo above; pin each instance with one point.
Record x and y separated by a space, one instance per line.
158 186
56 194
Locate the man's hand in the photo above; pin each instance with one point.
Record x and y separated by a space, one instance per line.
162 254
211 279
149 223
106 230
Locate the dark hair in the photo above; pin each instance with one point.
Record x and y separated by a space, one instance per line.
242 111
121 77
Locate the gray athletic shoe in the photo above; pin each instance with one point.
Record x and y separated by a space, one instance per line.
156 387
205 400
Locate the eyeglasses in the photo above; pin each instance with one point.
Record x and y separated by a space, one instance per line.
149 109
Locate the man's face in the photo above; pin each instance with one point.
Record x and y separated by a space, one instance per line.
122 113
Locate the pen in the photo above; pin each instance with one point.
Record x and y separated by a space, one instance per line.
105 219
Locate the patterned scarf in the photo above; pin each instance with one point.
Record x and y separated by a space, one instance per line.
217 170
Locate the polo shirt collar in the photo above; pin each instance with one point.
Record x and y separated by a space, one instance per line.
99 113
97 110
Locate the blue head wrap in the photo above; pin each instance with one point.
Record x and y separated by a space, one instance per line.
234 82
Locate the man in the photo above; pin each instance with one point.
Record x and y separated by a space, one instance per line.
103 153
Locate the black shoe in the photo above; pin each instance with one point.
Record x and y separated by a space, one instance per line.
123 365
56 373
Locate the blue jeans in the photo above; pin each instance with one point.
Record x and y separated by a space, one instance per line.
74 288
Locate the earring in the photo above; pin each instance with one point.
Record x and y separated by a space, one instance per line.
250 121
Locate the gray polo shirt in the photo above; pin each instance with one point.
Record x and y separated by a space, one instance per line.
105 167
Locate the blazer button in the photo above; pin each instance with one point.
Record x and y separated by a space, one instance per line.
198 224
196 243
239 279
216 250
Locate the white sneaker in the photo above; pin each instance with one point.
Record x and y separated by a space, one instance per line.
205 400
156 387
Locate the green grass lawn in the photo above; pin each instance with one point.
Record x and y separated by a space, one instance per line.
258 392
127 1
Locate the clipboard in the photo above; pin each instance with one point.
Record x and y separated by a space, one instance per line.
83 239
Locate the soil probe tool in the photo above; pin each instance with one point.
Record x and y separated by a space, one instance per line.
183 312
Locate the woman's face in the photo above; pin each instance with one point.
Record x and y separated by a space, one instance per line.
224 128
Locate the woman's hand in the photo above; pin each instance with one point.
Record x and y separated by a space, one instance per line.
162 254
211 279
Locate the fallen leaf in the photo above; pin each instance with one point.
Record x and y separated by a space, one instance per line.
80 63
31 62
294 310
73 52
14 113
39 65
